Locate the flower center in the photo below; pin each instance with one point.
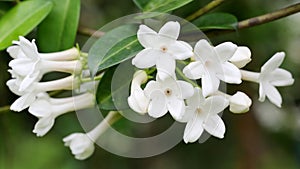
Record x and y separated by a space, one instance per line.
168 92
164 49
198 110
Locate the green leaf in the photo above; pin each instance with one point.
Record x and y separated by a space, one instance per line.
114 47
216 21
113 89
161 6
58 30
22 19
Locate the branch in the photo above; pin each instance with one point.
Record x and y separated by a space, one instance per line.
210 6
90 32
259 20
4 109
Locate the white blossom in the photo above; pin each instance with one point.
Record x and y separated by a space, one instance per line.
212 65
269 78
161 49
239 103
203 115
241 57
167 95
47 109
137 100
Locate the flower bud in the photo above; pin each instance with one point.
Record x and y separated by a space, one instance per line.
239 103
241 57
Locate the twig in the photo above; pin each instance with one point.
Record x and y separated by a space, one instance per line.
262 19
205 9
90 32
4 109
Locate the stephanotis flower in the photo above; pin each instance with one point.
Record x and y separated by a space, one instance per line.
167 95
137 100
212 65
270 77
47 109
28 95
161 49
203 115
241 57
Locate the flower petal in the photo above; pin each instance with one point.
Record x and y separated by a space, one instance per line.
29 80
204 51
23 102
176 108
146 36
43 126
146 58
262 93
210 84
180 50
165 67
40 108
194 70
14 51
273 63
229 73
151 87
241 57
215 126
225 51
193 129
281 77
273 94
186 89
22 66
215 104
158 104
170 30
29 48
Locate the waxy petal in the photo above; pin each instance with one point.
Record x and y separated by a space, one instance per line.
193 129
147 37
225 51
241 57
180 50
210 84
146 58
158 104
230 73
273 94
165 67
186 89
151 87
194 70
273 63
215 126
281 77
23 102
215 104
43 126
176 108
170 30
204 51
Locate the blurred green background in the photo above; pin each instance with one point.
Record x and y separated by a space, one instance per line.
264 138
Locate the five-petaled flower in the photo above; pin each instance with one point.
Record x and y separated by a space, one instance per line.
161 49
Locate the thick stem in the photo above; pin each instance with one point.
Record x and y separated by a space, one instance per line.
205 9
111 118
70 54
90 32
4 109
62 66
60 84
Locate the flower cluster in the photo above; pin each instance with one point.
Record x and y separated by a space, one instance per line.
198 105
27 69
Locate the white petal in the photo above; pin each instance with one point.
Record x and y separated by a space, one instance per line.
14 51
29 48
186 89
165 67
210 84
29 80
197 99
225 51
215 104
193 129
194 70
150 87
146 36
180 50
230 73
176 108
138 102
170 30
273 63
23 102
14 87
146 58
239 103
43 126
40 108
273 94
281 77
215 126
22 66
262 93
158 104
241 57
204 51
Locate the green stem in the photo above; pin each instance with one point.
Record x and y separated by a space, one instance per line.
259 20
4 109
179 72
210 6
90 32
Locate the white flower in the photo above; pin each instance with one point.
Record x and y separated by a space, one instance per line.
212 65
161 49
29 94
80 144
167 95
137 100
241 57
270 76
47 109
204 116
239 103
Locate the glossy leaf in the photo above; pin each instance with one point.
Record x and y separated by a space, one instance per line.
159 6
114 47
58 30
22 19
216 21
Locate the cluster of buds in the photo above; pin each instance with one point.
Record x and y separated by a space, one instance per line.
198 105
